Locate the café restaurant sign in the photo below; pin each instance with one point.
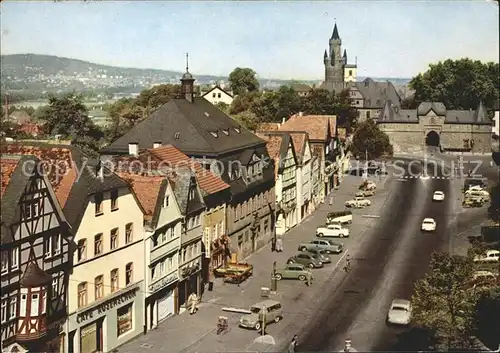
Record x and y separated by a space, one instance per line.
105 306
162 283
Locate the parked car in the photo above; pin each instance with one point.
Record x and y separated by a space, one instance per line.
483 275
488 256
321 255
358 202
399 312
293 271
438 196
332 230
268 310
306 259
328 245
339 217
365 193
479 194
428 225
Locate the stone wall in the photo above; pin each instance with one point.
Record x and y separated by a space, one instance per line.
404 137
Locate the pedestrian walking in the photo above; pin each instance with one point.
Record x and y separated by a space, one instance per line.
273 244
279 245
293 344
331 200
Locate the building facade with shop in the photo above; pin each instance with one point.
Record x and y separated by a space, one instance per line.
316 184
304 174
280 148
35 256
200 130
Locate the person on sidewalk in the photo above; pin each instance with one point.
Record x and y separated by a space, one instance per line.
279 245
331 201
273 244
293 344
193 302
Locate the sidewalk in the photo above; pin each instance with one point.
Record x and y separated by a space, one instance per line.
188 334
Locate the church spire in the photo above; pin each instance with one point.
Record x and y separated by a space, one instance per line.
335 34
187 83
325 55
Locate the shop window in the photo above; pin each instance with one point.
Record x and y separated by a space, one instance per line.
82 294
114 200
99 287
124 323
114 280
129 273
129 230
82 250
114 238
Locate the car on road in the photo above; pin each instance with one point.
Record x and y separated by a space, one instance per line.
306 259
488 256
486 275
293 271
399 312
428 225
358 202
267 311
327 245
332 230
339 217
438 196
365 193
321 255
478 194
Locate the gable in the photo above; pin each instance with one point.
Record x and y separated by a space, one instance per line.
168 211
307 152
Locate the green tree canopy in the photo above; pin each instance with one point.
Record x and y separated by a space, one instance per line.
68 116
244 102
444 303
459 84
247 119
243 80
369 139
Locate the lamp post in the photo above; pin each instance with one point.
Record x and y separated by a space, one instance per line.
274 281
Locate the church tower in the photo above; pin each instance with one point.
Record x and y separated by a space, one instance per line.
334 61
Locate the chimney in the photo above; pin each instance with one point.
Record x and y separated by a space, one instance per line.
156 144
133 149
301 113
283 121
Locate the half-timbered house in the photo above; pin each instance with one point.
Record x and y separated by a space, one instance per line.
36 258
106 285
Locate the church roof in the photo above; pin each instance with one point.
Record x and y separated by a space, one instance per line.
195 128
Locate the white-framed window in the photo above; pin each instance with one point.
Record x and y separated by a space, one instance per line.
170 262
55 288
4 311
166 201
22 305
172 232
56 244
35 303
44 302
14 260
163 237
5 261
162 267
221 228
13 307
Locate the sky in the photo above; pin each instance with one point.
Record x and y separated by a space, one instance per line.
277 39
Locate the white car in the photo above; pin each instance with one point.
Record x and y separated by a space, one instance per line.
428 225
483 275
400 312
438 196
488 256
332 230
358 202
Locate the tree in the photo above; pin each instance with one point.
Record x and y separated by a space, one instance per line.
248 119
459 84
224 107
156 96
244 102
347 116
443 302
68 116
368 139
243 80
319 102
275 106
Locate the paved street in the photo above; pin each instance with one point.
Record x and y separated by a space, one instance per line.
185 333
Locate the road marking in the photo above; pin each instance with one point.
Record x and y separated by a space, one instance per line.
401 180
371 216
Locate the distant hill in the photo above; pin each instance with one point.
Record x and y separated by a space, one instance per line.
37 73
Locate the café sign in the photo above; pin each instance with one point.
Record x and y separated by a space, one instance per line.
105 306
163 282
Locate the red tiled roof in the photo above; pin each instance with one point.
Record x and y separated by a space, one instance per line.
269 127
58 162
273 146
315 125
7 167
209 182
147 190
298 139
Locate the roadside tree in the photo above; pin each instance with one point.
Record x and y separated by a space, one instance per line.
243 80
443 301
459 84
369 141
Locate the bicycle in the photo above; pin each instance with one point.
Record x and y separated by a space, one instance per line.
222 325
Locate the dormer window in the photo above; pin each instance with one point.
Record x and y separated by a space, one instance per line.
237 129
214 134
226 132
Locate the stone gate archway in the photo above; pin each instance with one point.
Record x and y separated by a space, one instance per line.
432 139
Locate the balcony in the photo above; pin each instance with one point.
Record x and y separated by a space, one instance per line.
191 235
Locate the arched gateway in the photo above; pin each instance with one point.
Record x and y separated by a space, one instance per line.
432 139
